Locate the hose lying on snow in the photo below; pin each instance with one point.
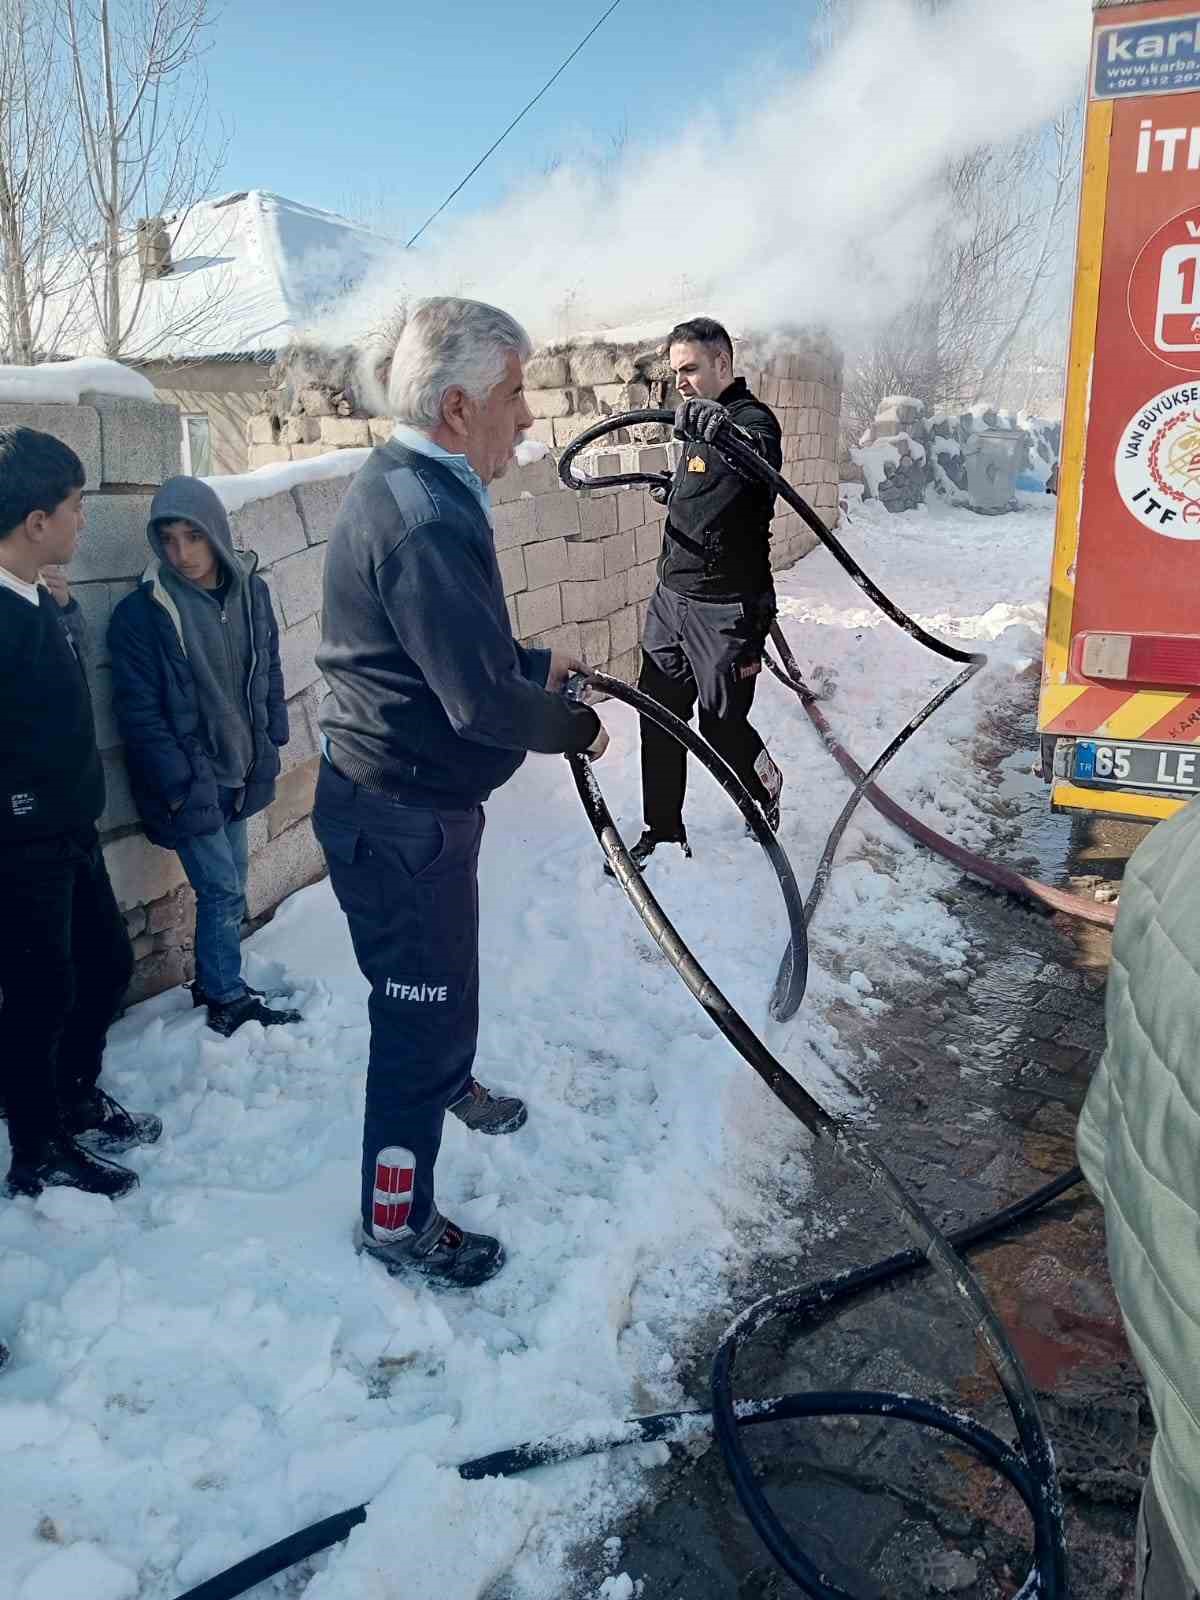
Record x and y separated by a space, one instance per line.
1031 1472
1030 1469
679 1427
977 866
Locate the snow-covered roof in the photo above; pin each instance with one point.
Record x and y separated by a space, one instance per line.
65 382
250 272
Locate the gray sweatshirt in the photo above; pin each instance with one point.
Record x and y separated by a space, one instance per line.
216 625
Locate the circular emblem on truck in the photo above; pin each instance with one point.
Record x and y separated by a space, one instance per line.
1164 292
1158 463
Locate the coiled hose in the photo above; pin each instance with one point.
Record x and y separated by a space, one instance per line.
1030 1469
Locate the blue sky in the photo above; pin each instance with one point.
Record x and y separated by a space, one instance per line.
383 107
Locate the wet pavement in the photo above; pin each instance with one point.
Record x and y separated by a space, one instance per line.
976 1092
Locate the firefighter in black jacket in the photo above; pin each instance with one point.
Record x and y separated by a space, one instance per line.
715 599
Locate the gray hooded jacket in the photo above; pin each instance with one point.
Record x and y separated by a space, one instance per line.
180 692
217 634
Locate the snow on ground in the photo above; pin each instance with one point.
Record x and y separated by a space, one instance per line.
206 1366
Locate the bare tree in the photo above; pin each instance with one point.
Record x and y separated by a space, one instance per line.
990 310
1059 170
145 156
992 286
39 186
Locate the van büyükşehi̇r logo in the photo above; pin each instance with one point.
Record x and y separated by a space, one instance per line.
1158 464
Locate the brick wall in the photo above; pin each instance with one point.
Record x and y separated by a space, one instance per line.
317 404
578 570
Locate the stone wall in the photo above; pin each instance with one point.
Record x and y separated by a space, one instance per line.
320 401
578 572
904 454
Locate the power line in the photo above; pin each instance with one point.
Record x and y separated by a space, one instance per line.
549 82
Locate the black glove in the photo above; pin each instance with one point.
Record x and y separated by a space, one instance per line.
701 419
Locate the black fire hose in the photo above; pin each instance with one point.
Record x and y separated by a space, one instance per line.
1034 1477
1030 1469
746 460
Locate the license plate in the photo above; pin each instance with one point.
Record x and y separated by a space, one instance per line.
1137 766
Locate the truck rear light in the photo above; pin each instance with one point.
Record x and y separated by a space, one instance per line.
1157 658
1105 655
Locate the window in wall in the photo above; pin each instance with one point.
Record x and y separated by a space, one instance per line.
197 445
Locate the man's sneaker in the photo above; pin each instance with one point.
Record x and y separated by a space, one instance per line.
61 1163
485 1112
443 1252
648 843
226 1019
101 1124
199 998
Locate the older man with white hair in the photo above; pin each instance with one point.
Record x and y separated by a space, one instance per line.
432 705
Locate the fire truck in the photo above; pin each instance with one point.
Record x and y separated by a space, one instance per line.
1119 713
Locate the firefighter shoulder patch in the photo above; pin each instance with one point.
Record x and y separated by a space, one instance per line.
697 464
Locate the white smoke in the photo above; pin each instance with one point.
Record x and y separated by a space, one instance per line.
818 204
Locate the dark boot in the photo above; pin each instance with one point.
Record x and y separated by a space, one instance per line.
648 843
228 1018
769 775
485 1112
61 1163
5 1355
101 1124
443 1253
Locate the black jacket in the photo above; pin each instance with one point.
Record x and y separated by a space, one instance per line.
51 780
431 699
717 541
159 715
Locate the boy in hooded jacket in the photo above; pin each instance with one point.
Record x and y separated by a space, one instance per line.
199 698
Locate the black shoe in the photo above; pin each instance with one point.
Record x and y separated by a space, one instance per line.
648 843
5 1355
442 1252
228 1018
769 775
61 1163
101 1124
485 1112
199 998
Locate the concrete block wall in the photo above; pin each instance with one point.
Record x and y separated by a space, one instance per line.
570 387
128 449
578 572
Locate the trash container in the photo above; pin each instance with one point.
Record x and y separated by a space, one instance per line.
993 458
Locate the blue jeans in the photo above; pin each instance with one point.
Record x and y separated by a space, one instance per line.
216 865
